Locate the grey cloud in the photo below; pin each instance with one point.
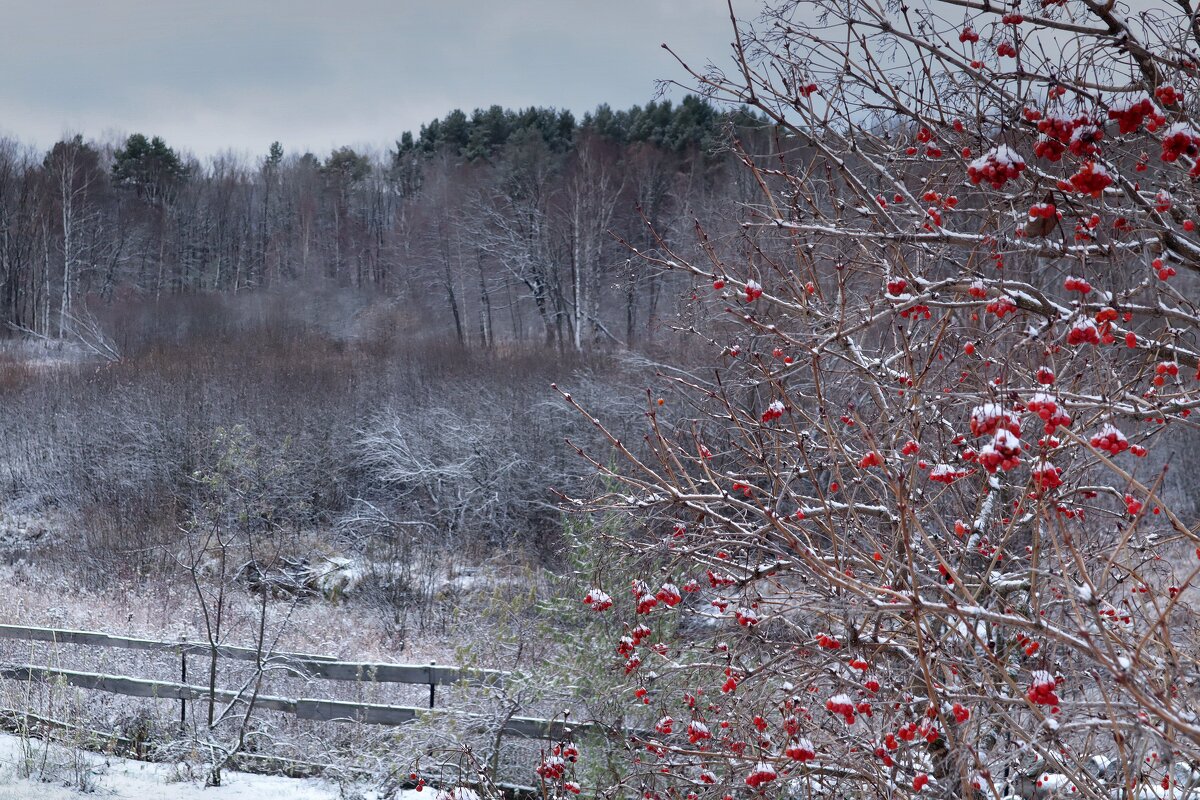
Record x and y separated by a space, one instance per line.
239 73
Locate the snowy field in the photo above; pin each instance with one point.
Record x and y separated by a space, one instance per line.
66 772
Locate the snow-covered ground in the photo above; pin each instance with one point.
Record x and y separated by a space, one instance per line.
64 772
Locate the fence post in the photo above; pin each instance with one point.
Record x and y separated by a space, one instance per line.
183 679
432 685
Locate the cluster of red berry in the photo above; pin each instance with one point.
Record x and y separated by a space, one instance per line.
1129 117
1083 331
762 773
999 166
1110 440
1091 179
1041 689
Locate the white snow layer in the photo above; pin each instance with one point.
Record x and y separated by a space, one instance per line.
65 771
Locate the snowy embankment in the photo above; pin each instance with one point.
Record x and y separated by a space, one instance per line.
28 771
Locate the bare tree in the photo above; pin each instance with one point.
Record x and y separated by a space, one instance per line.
593 191
228 545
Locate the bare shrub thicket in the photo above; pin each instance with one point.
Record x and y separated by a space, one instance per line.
369 443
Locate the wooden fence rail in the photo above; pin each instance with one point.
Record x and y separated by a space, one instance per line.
296 664
319 710
302 664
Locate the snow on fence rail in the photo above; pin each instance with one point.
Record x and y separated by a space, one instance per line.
302 665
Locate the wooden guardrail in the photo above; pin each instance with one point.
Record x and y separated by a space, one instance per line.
299 664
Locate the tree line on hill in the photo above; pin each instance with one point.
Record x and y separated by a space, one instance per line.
494 226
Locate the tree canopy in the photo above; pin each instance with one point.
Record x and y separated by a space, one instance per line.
149 166
692 123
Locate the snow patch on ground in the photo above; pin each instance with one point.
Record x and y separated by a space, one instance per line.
125 779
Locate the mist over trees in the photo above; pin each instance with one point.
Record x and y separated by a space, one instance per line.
498 225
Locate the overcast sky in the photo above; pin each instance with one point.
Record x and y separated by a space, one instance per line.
210 75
